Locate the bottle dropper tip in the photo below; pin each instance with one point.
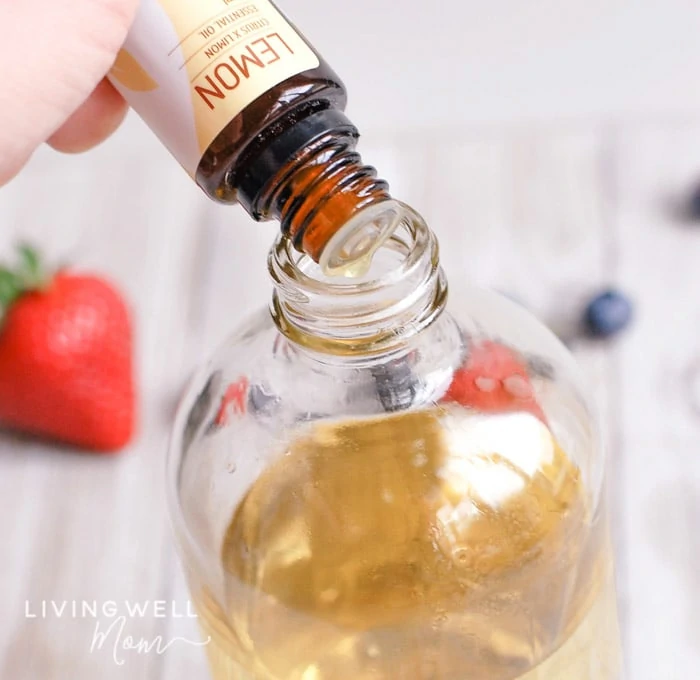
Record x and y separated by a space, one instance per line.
350 251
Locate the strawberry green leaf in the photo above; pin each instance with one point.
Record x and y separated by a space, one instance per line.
10 287
26 276
30 267
29 259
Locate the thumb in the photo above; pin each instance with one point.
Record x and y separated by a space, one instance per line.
52 56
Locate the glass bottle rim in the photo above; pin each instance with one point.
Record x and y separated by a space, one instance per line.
401 293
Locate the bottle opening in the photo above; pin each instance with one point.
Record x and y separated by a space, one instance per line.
350 251
378 284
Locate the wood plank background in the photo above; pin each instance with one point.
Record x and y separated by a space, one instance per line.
546 214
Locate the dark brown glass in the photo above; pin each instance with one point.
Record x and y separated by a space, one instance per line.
261 121
316 183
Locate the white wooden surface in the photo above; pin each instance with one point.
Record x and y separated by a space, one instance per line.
546 214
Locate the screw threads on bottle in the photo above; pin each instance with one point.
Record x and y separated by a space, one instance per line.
320 191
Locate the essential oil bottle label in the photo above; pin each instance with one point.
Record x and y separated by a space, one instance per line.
189 66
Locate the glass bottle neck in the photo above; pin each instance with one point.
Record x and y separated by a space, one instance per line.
330 204
402 292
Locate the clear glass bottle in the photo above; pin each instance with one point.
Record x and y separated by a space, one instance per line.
369 483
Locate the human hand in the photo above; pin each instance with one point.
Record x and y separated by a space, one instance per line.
53 59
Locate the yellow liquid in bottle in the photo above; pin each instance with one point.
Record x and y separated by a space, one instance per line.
434 545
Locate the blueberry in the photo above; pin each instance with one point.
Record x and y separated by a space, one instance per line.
607 314
692 207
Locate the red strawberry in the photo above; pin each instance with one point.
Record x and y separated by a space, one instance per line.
495 380
65 358
233 401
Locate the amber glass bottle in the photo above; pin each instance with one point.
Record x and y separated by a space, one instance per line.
255 115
